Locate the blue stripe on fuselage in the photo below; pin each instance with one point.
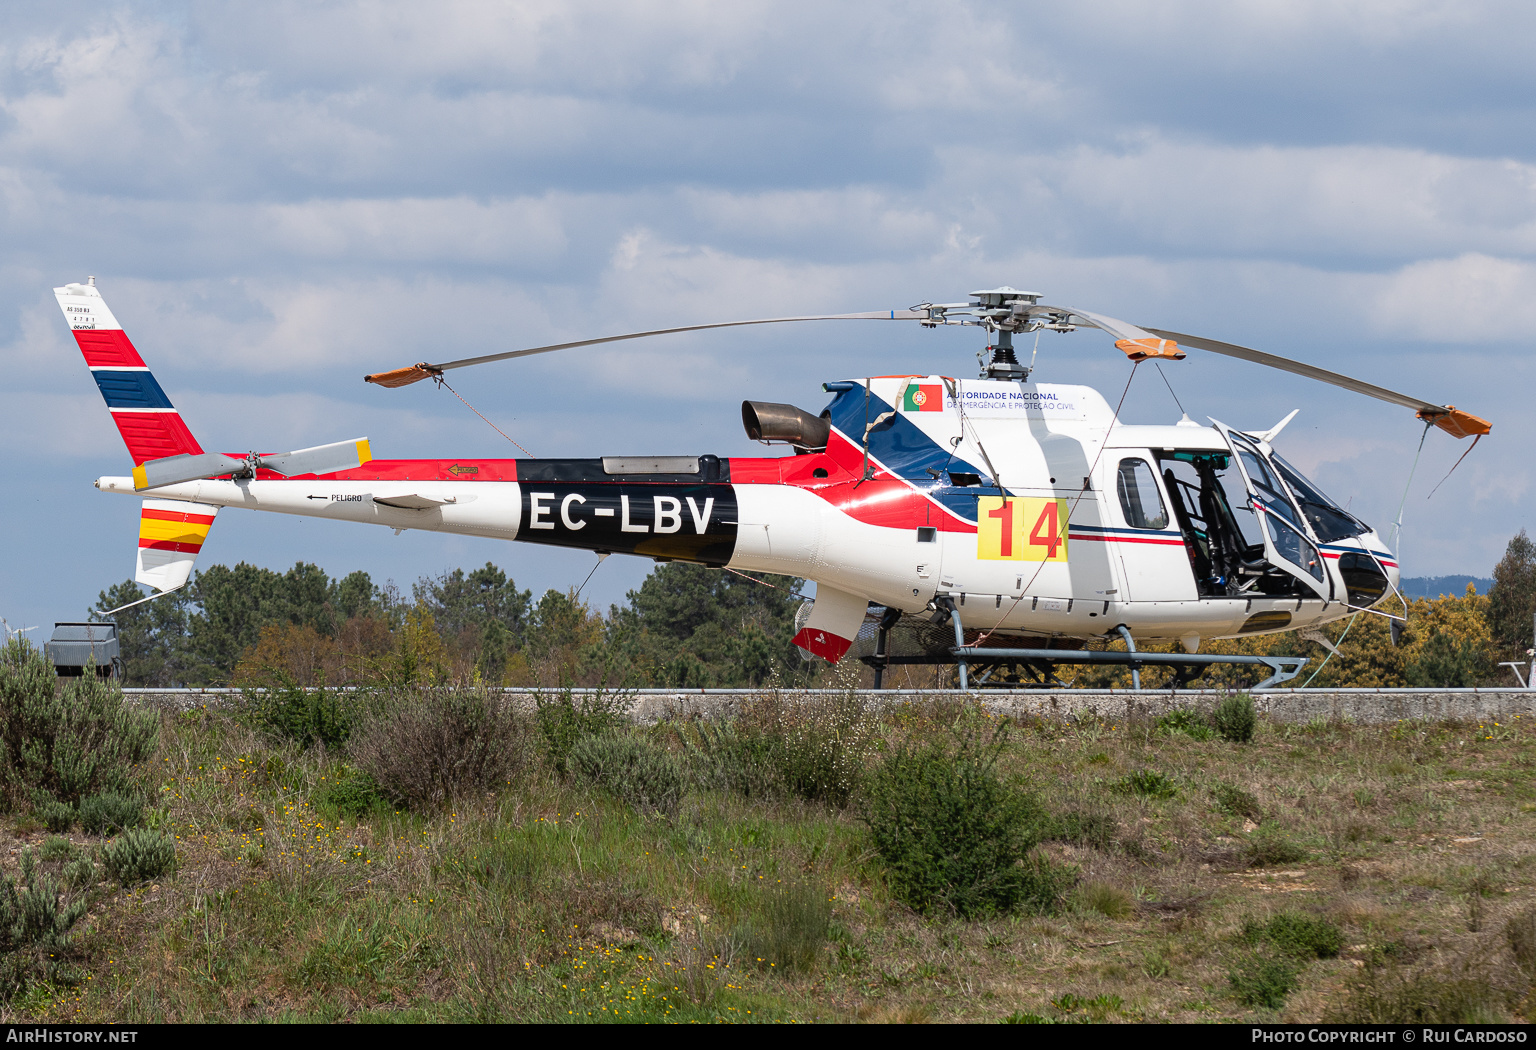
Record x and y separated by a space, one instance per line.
909 453
130 389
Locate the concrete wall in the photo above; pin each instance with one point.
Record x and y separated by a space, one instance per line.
1286 705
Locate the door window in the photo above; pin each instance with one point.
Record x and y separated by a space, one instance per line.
1139 498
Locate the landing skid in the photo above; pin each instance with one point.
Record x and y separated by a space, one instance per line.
1010 665
1041 664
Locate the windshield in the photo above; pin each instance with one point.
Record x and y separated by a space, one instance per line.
1330 521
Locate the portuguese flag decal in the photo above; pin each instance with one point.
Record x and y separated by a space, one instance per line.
923 398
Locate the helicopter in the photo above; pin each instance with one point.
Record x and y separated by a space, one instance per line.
1023 517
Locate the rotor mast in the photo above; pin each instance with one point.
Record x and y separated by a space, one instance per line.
1002 312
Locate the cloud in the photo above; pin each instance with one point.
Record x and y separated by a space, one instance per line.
1471 298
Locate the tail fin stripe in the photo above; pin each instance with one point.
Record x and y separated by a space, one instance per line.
155 435
160 534
175 547
171 534
130 389
173 515
106 348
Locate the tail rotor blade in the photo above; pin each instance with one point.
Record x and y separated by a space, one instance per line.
321 459
173 470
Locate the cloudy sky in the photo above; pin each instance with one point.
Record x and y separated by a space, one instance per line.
276 198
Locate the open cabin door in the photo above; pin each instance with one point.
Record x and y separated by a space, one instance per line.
1286 545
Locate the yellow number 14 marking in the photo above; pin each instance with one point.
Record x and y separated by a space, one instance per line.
1021 528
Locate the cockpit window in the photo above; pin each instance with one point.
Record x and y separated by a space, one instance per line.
1330 521
1139 498
1269 490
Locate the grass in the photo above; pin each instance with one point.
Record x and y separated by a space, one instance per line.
1319 872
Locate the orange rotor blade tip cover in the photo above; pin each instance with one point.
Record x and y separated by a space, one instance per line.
1457 423
402 376
1150 347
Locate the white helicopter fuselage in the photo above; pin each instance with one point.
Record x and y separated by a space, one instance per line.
1027 506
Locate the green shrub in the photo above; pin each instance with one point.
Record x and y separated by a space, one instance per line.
1148 783
80 872
57 848
66 743
1461 991
793 922
1263 981
139 854
564 719
1296 934
1270 844
308 716
31 913
350 792
633 768
953 837
1081 828
424 748
110 812
58 817
1188 722
1237 802
1520 932
1235 718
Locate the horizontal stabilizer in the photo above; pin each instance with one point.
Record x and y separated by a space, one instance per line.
411 501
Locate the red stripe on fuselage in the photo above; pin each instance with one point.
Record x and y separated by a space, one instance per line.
1125 539
884 500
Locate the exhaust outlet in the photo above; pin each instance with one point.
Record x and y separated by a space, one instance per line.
765 421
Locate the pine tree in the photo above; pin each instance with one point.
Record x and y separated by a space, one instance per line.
1513 598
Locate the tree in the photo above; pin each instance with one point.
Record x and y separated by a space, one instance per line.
153 636
1512 601
459 602
689 625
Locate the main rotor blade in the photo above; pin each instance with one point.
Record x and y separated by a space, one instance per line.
1448 418
416 373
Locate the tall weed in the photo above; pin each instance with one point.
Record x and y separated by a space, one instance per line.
1236 718
816 748
792 925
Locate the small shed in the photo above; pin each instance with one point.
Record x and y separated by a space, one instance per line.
76 646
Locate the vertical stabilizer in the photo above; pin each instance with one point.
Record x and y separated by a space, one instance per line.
150 425
171 533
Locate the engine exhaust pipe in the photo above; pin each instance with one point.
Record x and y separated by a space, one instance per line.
765 421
